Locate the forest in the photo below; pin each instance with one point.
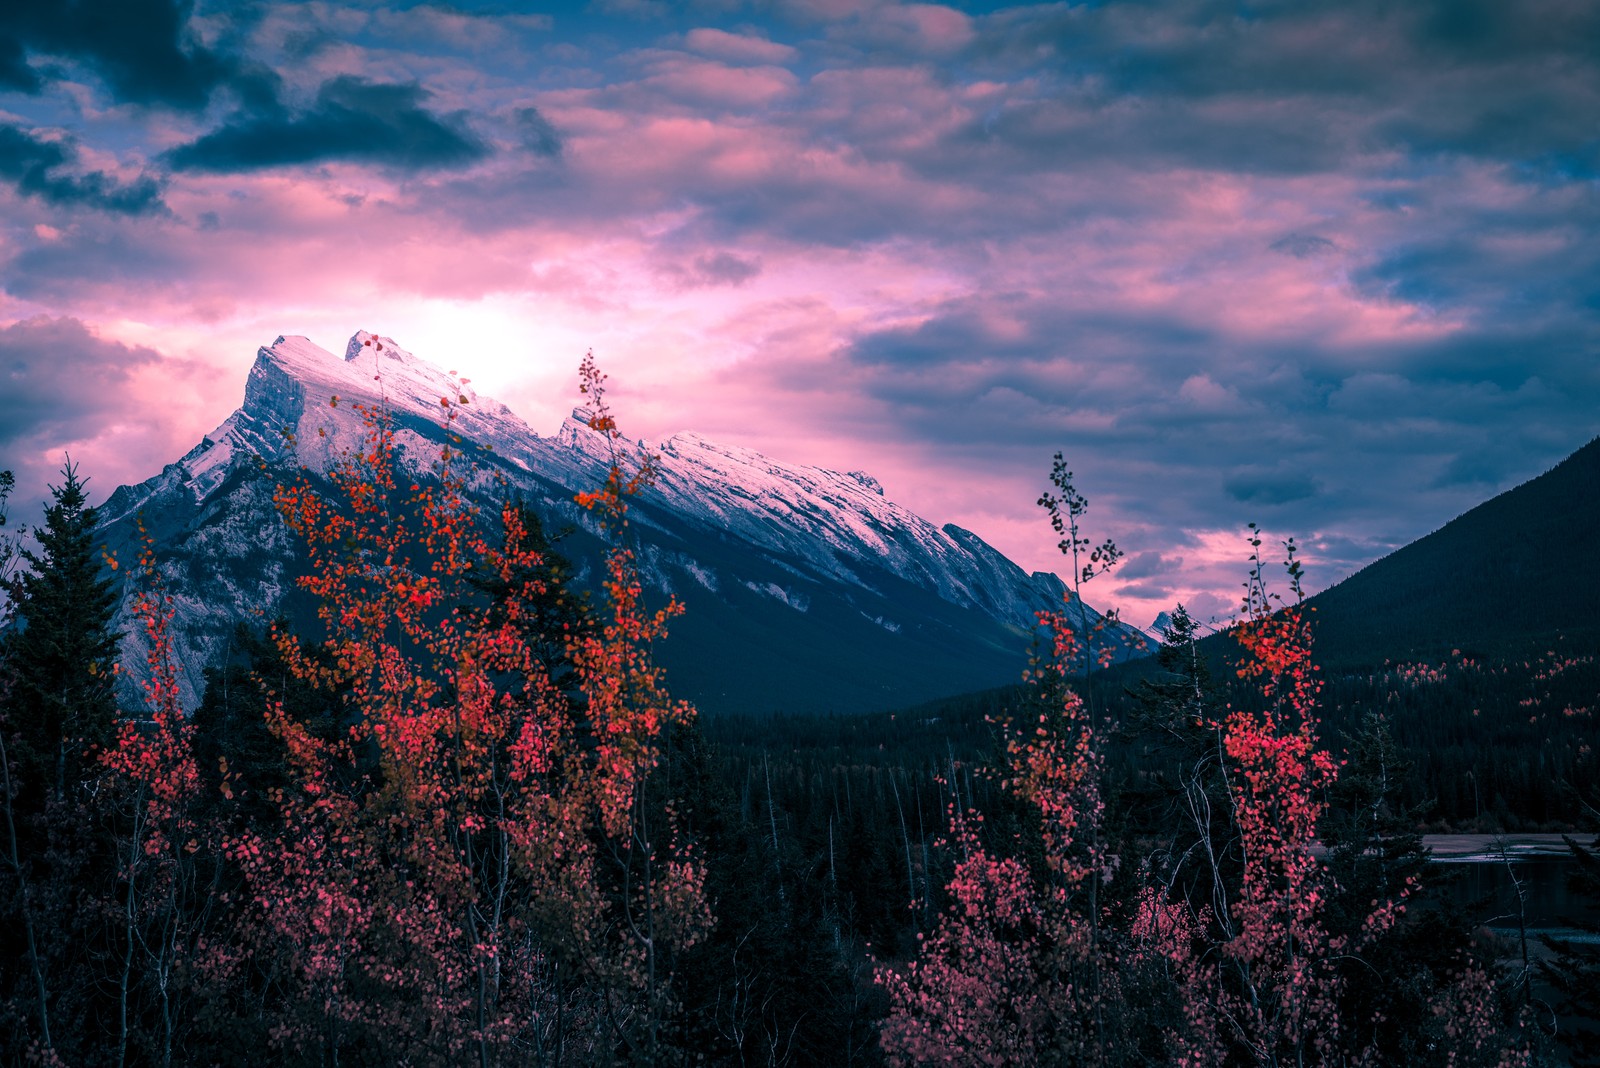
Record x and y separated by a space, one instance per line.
460 819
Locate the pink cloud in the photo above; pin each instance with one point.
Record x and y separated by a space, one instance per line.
738 47
917 29
700 82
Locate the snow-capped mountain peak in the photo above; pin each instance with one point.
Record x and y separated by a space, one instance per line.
374 370
364 343
807 588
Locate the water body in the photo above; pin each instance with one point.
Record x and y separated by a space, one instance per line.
1509 881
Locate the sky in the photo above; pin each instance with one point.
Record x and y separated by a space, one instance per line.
1329 266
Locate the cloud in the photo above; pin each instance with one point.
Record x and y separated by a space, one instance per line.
15 73
1210 608
1303 246
726 268
1269 487
1331 266
109 265
60 380
1294 88
537 135
646 10
676 78
120 410
432 26
1147 565
146 51
352 120
910 30
42 168
738 47
719 268
1144 591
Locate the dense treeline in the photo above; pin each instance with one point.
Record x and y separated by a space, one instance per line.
460 820
812 763
1492 744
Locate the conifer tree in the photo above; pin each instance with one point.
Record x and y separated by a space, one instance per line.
551 612
60 651
57 712
1174 701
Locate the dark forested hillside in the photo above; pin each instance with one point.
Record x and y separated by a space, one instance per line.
1512 569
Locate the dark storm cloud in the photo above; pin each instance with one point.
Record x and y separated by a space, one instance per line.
1297 87
144 50
352 119
1269 487
60 380
1147 565
1003 329
1144 591
1303 246
15 73
111 261
538 136
43 169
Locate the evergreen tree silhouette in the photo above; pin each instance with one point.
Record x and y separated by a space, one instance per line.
61 652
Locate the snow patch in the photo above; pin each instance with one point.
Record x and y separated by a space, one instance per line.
793 598
705 576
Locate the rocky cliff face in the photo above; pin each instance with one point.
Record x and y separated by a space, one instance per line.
807 589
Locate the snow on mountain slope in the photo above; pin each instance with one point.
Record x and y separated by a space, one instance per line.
778 560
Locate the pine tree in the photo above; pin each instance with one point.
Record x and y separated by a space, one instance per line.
552 612
57 712
60 652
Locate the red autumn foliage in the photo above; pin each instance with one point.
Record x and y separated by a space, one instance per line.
441 881
1026 967
156 788
1016 972
1266 969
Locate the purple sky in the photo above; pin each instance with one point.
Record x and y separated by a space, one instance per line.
1329 266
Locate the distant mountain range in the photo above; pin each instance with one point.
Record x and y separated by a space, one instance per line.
807 590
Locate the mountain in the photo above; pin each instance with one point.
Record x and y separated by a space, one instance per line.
807 589
1516 571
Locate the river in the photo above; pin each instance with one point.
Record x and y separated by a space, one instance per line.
1488 871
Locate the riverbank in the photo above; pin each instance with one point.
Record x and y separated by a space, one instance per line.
1485 848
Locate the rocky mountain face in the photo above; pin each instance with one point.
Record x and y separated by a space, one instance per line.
807 590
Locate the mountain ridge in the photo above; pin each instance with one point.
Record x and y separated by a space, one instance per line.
826 594
1510 569
1504 578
